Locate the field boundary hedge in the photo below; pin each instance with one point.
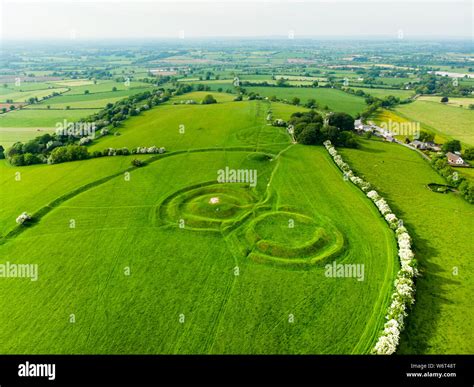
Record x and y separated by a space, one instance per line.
403 296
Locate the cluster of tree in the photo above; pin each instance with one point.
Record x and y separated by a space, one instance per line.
162 79
62 154
183 89
468 154
465 187
385 102
89 73
72 152
207 76
371 109
42 149
36 150
252 96
388 101
310 103
374 103
114 113
309 128
201 87
208 99
432 84
451 146
426 136
280 82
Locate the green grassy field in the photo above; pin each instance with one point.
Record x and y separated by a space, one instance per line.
198 96
441 321
83 101
336 100
182 127
31 118
23 125
453 101
39 185
22 93
8 136
447 121
102 86
402 125
381 93
182 294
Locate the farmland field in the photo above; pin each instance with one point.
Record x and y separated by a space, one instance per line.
237 194
41 118
446 121
442 317
83 101
135 223
455 102
204 126
102 86
381 93
18 95
336 100
8 136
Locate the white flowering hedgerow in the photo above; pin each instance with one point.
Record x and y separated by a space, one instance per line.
23 217
383 206
404 286
373 195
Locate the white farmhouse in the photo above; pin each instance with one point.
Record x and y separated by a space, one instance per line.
454 159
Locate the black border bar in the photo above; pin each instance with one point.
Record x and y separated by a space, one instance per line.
241 369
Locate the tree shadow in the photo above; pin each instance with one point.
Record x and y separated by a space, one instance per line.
431 288
364 146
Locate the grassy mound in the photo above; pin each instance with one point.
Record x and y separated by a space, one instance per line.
131 225
293 239
207 205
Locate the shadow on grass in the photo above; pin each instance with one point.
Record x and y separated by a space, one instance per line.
431 288
364 145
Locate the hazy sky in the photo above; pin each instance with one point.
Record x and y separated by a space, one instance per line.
87 19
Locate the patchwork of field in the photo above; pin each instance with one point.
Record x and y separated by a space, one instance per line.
453 101
382 93
335 99
22 94
8 136
105 86
38 185
165 258
198 96
41 118
171 261
446 121
87 101
402 126
182 127
72 105
441 321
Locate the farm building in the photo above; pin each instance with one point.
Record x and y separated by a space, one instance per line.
425 145
419 145
455 160
360 127
434 147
